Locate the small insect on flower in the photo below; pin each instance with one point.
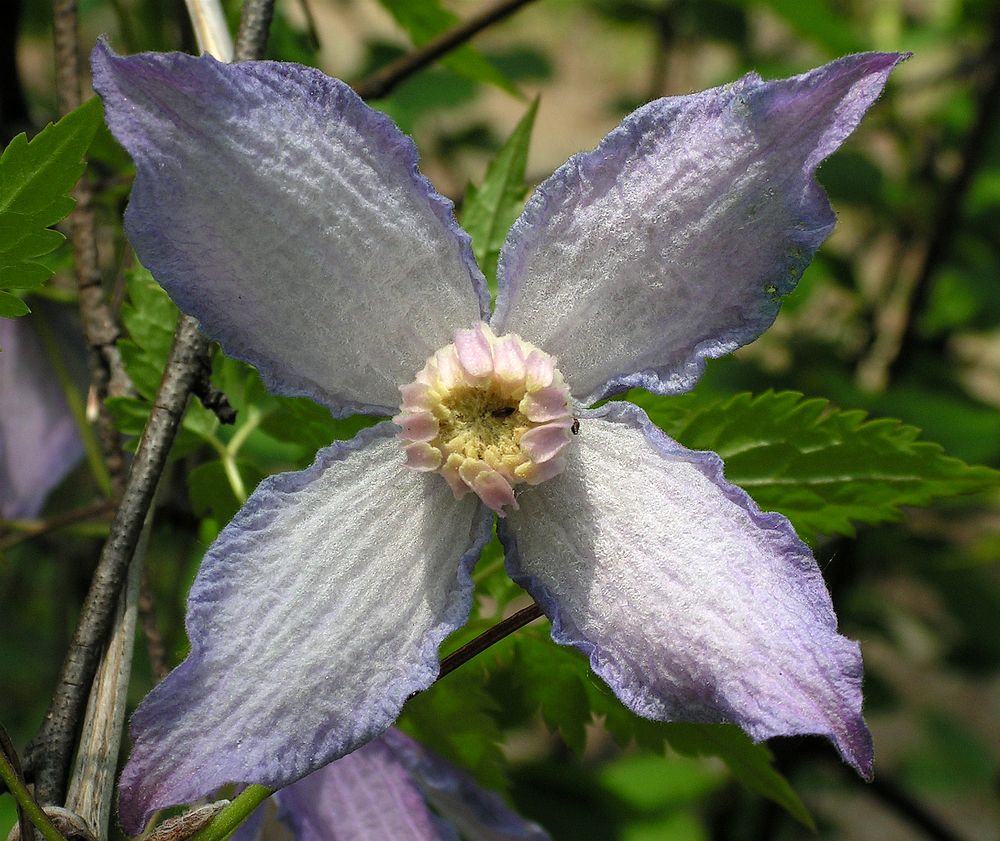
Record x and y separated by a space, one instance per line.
575 428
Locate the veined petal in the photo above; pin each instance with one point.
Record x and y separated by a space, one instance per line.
290 219
479 814
39 442
689 601
673 241
316 613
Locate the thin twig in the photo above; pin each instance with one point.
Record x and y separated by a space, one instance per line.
50 751
384 80
155 649
948 219
100 328
92 781
255 24
489 637
15 785
7 749
210 29
30 529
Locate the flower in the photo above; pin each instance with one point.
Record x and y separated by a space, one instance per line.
383 789
290 218
39 440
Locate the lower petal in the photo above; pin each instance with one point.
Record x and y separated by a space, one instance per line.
316 613
689 601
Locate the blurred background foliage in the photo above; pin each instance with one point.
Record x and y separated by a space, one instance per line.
899 315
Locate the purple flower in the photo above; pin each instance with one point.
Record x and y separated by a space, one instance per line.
382 791
290 218
39 441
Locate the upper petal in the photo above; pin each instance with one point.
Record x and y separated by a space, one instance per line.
673 241
690 602
39 442
316 613
290 219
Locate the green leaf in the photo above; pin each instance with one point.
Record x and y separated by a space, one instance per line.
489 210
425 19
751 764
456 718
553 678
11 306
211 491
824 468
35 178
301 421
150 318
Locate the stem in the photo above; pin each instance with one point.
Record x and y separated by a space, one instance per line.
255 24
93 778
381 82
50 751
26 802
948 221
100 327
95 458
234 814
489 637
33 528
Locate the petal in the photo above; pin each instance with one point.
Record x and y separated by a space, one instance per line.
492 488
509 360
480 815
673 240
545 442
545 404
474 352
690 602
290 219
316 613
365 796
39 442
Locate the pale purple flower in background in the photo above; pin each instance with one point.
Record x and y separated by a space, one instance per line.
39 440
383 790
290 218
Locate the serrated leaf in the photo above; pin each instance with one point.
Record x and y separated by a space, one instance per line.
150 318
299 420
553 676
456 719
824 468
752 764
552 682
489 210
425 19
35 177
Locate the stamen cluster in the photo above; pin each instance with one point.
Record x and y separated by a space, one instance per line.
487 413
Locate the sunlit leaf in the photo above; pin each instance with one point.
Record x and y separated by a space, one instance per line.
824 468
490 209
35 178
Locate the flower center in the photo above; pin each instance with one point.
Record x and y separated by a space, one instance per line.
487 413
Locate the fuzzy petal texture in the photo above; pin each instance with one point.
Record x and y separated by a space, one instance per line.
479 814
290 219
673 241
316 613
689 601
39 442
365 796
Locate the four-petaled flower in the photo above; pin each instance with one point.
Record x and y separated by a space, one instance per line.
290 218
